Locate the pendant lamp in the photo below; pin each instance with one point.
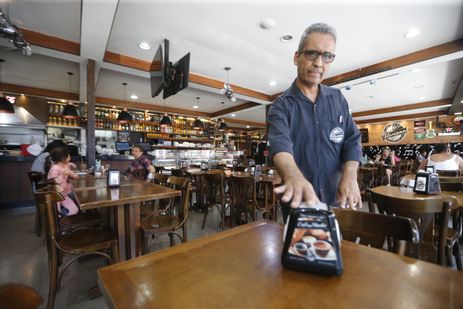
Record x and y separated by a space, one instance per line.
5 105
124 116
222 125
165 121
70 110
198 124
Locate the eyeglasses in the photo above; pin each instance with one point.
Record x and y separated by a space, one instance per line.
313 55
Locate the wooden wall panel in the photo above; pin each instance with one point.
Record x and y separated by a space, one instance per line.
375 130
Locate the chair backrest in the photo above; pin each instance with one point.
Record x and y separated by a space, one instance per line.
214 186
140 173
243 193
405 167
453 173
423 211
35 178
158 169
160 179
451 186
373 229
47 197
177 172
239 168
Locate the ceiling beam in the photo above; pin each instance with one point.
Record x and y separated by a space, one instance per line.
418 56
401 117
38 92
51 42
234 109
401 108
127 61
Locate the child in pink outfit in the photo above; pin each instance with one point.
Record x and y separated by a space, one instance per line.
61 171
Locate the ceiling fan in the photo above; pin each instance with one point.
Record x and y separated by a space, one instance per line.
12 33
227 89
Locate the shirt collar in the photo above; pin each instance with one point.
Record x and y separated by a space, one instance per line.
294 91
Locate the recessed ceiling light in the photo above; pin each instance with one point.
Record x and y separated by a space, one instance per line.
418 86
415 70
233 115
286 38
412 33
268 23
134 97
144 45
22 94
248 127
457 113
272 83
421 98
64 101
461 101
114 106
195 106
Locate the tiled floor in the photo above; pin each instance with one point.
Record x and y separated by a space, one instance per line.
23 258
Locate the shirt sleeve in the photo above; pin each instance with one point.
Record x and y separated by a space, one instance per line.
352 148
146 162
279 131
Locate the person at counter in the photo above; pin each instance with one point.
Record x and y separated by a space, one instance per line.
387 158
442 159
141 162
61 171
39 163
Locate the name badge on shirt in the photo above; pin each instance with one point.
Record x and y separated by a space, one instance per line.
337 135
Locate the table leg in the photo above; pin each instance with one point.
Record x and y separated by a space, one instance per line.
133 233
120 226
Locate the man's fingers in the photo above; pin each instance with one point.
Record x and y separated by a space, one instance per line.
351 203
297 195
280 189
342 201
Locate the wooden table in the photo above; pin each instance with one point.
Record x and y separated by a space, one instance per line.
441 178
407 193
126 201
241 268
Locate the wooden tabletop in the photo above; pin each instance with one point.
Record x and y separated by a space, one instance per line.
133 191
407 193
441 178
241 268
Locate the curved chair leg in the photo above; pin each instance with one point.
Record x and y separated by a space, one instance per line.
52 286
456 254
206 211
73 259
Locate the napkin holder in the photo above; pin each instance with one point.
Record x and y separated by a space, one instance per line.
427 183
312 242
114 178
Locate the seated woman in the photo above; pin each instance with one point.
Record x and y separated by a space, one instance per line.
141 162
387 158
61 171
442 159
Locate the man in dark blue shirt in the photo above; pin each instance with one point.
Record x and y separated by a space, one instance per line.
314 142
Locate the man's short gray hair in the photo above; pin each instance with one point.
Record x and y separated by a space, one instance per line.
317 27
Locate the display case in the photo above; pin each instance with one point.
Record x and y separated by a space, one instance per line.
170 158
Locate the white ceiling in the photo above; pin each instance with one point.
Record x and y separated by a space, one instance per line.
226 33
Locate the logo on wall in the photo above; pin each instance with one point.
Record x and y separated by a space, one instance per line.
394 132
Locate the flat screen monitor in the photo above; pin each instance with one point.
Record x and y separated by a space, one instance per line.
157 71
122 146
145 146
177 79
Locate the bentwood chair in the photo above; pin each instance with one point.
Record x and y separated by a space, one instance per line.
374 229
78 243
214 184
243 198
35 178
433 232
169 223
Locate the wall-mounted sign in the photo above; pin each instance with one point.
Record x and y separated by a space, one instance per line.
419 123
394 132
